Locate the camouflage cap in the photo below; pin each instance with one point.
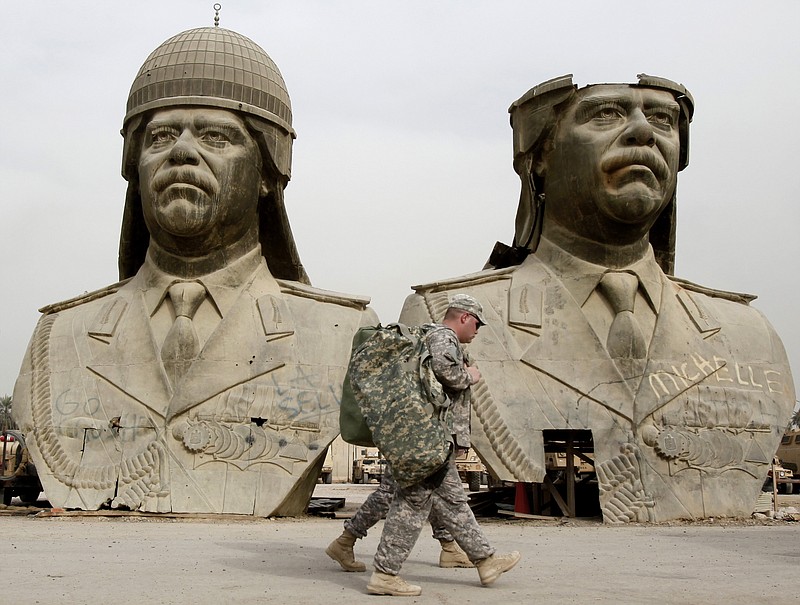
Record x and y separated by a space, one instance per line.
465 302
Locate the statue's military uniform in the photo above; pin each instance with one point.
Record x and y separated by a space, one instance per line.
691 435
244 431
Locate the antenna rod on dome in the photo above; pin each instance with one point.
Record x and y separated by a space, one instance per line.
217 7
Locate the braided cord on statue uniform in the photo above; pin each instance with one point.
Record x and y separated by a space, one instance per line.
140 474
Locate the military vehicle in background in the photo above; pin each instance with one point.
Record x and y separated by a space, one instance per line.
470 469
17 474
788 456
789 451
786 480
556 465
370 467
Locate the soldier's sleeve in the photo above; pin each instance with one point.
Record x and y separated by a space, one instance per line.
462 420
447 360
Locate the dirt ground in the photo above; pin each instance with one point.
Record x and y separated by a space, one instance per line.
83 558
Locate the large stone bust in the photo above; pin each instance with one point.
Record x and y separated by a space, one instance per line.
686 390
208 379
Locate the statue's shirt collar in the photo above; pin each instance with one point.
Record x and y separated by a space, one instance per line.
223 286
581 277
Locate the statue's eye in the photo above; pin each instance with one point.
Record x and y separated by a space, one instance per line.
215 138
608 113
661 118
162 136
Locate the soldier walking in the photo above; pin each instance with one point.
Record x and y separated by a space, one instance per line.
442 493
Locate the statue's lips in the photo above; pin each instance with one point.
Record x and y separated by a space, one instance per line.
634 173
182 186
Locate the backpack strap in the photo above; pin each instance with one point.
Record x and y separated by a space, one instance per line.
403 329
412 363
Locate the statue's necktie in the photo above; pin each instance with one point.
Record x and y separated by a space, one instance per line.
625 338
181 346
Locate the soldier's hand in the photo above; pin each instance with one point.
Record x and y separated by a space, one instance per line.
474 374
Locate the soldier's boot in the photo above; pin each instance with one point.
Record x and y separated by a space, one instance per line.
341 551
490 568
386 584
453 556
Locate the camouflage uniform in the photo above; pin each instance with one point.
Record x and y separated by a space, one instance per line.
447 362
448 501
376 506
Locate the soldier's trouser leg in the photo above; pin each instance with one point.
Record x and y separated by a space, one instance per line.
450 505
407 514
439 530
374 508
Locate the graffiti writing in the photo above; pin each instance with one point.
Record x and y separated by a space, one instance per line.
670 381
68 405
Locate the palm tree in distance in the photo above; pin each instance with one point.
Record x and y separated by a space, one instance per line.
5 413
794 421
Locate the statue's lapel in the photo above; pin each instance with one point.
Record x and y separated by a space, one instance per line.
124 352
560 342
680 356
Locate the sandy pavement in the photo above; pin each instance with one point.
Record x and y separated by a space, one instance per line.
128 559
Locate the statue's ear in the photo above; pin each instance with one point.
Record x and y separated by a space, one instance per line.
539 164
265 188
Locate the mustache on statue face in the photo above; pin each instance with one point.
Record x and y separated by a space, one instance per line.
184 176
636 156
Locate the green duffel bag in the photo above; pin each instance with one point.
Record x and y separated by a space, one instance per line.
391 385
352 425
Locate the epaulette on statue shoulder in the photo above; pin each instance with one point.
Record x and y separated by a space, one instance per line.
83 298
738 297
294 288
463 281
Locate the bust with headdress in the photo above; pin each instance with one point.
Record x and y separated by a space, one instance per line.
679 392
208 378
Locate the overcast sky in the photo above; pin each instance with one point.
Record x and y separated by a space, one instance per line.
402 167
